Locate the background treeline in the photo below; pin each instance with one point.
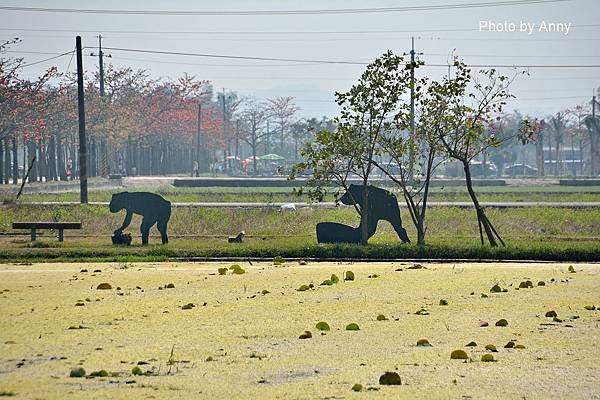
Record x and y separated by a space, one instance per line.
139 125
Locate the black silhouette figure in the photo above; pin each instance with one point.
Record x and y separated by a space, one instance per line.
237 239
153 208
383 205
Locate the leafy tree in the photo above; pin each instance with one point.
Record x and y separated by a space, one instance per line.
253 118
282 111
414 154
368 110
466 104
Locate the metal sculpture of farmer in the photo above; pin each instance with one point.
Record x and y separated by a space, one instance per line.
153 208
383 205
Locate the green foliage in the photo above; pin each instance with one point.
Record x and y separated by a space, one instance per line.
349 276
496 289
78 372
357 387
368 109
322 326
136 371
390 378
352 327
104 286
459 355
491 348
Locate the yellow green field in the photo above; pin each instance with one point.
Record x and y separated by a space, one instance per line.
238 343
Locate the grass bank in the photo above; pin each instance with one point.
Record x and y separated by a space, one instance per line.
274 194
297 248
530 234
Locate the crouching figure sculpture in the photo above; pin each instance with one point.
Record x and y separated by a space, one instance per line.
153 208
383 205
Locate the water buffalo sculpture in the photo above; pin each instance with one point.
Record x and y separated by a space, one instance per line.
383 205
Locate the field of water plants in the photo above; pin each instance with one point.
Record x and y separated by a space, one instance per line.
299 330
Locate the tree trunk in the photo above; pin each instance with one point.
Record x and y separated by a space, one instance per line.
254 171
51 159
43 162
421 215
539 152
1 161
558 157
364 215
60 159
6 177
593 151
481 217
15 161
581 172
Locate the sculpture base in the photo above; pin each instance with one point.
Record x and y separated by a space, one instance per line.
121 239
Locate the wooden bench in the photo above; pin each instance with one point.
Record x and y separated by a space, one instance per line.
34 226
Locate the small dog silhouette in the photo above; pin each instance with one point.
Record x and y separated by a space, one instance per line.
237 239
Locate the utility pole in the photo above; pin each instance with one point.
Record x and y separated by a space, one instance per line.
412 105
83 189
103 150
101 65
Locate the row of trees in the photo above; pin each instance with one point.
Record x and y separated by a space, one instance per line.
566 143
136 124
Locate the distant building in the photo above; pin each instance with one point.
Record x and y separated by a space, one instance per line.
570 161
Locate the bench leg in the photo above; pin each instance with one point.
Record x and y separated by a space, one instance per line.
61 235
33 235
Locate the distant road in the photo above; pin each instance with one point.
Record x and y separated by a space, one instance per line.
459 204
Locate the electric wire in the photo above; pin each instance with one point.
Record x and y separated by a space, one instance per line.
431 7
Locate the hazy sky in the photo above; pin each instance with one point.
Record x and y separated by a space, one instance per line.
437 33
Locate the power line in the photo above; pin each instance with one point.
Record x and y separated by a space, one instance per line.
295 60
353 32
438 7
31 52
548 98
215 65
46 59
234 57
514 56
